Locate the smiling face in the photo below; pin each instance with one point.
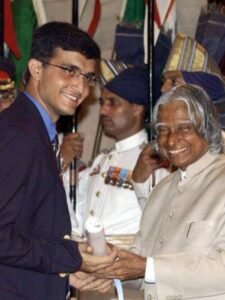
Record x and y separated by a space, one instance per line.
56 89
177 138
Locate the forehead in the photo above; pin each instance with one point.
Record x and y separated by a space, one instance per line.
172 112
107 94
74 58
172 75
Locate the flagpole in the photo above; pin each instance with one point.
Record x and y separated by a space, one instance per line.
73 166
75 13
150 39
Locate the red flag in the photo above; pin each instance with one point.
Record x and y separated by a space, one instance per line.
156 15
164 16
96 17
9 33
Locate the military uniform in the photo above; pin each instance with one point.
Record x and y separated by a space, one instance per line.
106 187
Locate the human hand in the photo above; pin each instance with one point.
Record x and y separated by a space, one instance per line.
88 282
93 263
147 163
71 147
127 266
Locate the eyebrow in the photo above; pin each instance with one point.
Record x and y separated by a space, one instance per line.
110 98
178 122
66 65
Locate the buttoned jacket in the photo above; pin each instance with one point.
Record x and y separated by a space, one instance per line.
117 207
34 218
183 229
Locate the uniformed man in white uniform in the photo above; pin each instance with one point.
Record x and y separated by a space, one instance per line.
106 188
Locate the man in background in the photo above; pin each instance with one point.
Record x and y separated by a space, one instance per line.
105 189
189 62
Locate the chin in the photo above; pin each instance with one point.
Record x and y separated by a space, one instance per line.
181 165
109 133
68 113
107 130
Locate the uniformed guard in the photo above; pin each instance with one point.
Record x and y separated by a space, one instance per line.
106 187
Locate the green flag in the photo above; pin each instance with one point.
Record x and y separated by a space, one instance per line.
25 22
129 44
134 13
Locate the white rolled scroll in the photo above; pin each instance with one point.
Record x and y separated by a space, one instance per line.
96 236
96 239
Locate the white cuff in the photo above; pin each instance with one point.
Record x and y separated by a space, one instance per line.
150 271
141 191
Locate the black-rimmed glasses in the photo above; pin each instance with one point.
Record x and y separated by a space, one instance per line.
90 78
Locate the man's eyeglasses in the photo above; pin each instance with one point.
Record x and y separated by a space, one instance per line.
91 79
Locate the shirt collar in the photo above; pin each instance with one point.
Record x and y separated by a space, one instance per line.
50 126
132 141
198 166
183 175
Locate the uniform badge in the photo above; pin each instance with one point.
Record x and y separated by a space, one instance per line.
119 177
95 170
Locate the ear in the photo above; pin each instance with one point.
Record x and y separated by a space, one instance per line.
138 109
35 68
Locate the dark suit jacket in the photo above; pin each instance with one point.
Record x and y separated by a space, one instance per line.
34 218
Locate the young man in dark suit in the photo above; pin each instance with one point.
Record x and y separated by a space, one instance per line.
36 252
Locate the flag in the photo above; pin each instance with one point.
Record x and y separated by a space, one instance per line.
40 12
81 7
95 19
129 41
164 15
25 22
164 34
9 32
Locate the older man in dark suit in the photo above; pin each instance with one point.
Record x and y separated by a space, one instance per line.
36 252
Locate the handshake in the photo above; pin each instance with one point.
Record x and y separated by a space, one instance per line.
92 269
96 256
103 262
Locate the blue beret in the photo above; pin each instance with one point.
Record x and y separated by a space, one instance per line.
209 82
132 85
128 82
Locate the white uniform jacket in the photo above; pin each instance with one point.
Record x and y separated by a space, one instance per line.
117 207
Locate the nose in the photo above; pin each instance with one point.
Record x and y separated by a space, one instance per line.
104 110
167 85
172 138
80 83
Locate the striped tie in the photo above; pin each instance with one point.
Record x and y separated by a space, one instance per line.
55 145
68 291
